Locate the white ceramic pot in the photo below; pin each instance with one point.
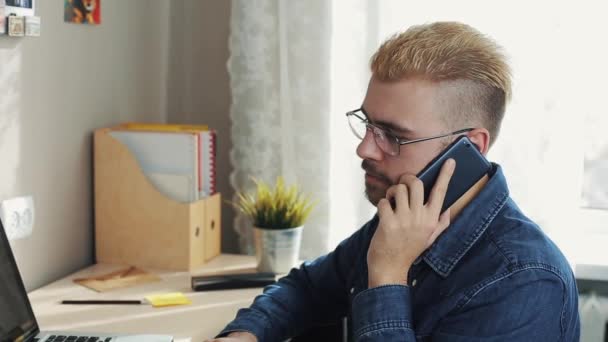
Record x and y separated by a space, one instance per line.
277 250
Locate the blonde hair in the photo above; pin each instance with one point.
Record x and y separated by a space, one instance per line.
469 66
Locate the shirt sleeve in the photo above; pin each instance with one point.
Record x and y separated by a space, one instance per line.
383 313
528 304
314 294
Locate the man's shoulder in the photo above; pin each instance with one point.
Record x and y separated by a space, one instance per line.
512 243
522 243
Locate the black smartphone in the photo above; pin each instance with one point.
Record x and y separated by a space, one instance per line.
471 166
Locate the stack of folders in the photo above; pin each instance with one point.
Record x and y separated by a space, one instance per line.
179 160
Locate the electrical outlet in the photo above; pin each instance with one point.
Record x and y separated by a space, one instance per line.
18 217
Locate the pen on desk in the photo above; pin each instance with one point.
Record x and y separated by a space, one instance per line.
102 301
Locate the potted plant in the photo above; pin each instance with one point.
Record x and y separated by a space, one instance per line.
278 215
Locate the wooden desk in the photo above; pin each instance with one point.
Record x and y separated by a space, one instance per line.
208 314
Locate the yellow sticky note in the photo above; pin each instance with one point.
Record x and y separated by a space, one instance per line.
168 299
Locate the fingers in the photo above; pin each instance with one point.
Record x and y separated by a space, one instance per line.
444 223
440 188
408 193
444 219
384 208
400 194
415 189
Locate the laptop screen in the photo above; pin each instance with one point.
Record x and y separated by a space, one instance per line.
17 322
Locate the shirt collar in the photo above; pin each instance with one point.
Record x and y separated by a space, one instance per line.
470 224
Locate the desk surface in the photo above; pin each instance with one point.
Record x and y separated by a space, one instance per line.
208 314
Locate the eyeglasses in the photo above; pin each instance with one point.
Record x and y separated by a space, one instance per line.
388 142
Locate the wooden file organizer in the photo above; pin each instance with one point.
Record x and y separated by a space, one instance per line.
137 225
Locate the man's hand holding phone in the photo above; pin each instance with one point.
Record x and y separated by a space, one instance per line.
406 231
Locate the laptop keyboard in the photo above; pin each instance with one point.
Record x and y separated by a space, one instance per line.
61 338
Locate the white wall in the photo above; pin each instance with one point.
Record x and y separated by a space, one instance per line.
199 89
54 91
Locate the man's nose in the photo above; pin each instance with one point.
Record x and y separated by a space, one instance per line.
368 149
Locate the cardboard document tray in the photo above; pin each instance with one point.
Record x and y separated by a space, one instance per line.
137 225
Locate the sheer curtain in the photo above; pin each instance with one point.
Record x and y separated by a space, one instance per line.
280 102
295 68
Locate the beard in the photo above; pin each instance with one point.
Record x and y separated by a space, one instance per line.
374 193
375 189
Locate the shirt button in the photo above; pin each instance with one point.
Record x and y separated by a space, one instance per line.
352 290
414 283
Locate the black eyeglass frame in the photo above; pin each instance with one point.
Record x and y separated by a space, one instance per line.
390 135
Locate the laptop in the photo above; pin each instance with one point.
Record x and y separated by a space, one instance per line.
17 321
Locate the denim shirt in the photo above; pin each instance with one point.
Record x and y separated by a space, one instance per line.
493 275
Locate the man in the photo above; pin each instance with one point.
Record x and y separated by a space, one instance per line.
481 271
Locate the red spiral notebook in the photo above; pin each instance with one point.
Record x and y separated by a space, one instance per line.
208 156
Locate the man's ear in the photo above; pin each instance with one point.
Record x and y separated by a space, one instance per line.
481 138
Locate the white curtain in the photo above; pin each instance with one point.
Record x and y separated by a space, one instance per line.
295 68
279 79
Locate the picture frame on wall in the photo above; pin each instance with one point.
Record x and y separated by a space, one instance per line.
20 7
82 11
